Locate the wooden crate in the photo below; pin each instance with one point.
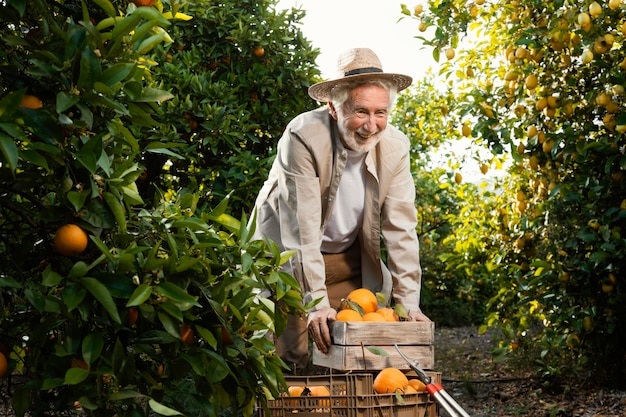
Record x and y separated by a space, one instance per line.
351 395
351 340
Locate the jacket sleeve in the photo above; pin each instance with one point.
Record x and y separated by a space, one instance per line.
399 222
300 211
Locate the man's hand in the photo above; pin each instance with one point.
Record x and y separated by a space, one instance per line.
417 316
318 327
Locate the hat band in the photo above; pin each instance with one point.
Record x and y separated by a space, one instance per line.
365 70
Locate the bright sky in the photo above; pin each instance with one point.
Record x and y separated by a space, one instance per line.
334 26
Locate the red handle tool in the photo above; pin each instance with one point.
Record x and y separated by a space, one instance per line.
438 392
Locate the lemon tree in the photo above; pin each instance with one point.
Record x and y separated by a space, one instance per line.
544 84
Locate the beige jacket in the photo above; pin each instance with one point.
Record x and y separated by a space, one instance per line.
295 203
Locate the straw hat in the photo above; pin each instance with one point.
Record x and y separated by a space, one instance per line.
356 64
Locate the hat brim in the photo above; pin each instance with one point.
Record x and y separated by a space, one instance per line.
321 91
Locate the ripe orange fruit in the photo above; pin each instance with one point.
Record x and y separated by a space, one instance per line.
161 369
365 298
70 240
79 363
295 390
409 389
4 365
373 316
31 102
259 51
417 384
133 316
186 334
390 380
347 314
388 314
146 3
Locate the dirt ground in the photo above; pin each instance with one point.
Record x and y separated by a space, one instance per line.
485 388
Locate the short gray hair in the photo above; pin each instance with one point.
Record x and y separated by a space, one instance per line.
339 94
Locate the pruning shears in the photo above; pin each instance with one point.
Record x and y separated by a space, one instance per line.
435 389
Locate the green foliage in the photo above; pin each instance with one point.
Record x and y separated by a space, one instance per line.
457 279
107 330
239 75
525 78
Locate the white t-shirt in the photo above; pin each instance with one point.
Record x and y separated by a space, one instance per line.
344 223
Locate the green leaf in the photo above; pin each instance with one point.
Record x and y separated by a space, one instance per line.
65 101
78 198
131 194
140 295
75 376
124 395
9 282
177 294
155 95
90 69
102 294
92 347
107 6
50 277
376 350
73 295
159 408
9 150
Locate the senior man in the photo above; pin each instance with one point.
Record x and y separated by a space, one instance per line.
341 179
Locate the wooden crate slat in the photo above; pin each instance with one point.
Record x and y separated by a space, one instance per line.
387 333
347 358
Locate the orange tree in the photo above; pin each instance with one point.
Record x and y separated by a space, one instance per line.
169 305
544 83
239 74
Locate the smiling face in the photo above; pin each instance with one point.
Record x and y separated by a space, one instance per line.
362 117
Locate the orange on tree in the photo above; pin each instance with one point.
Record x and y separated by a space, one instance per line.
133 315
259 51
31 102
146 3
70 240
364 298
4 365
390 380
347 314
187 334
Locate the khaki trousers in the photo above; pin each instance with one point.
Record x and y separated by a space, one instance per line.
343 274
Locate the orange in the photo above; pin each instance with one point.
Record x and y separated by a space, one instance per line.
365 298
348 314
161 369
146 3
31 102
259 51
390 380
186 334
70 240
409 389
417 384
133 316
373 316
388 314
4 365
295 390
79 363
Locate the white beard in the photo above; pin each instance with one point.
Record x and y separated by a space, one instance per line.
356 142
